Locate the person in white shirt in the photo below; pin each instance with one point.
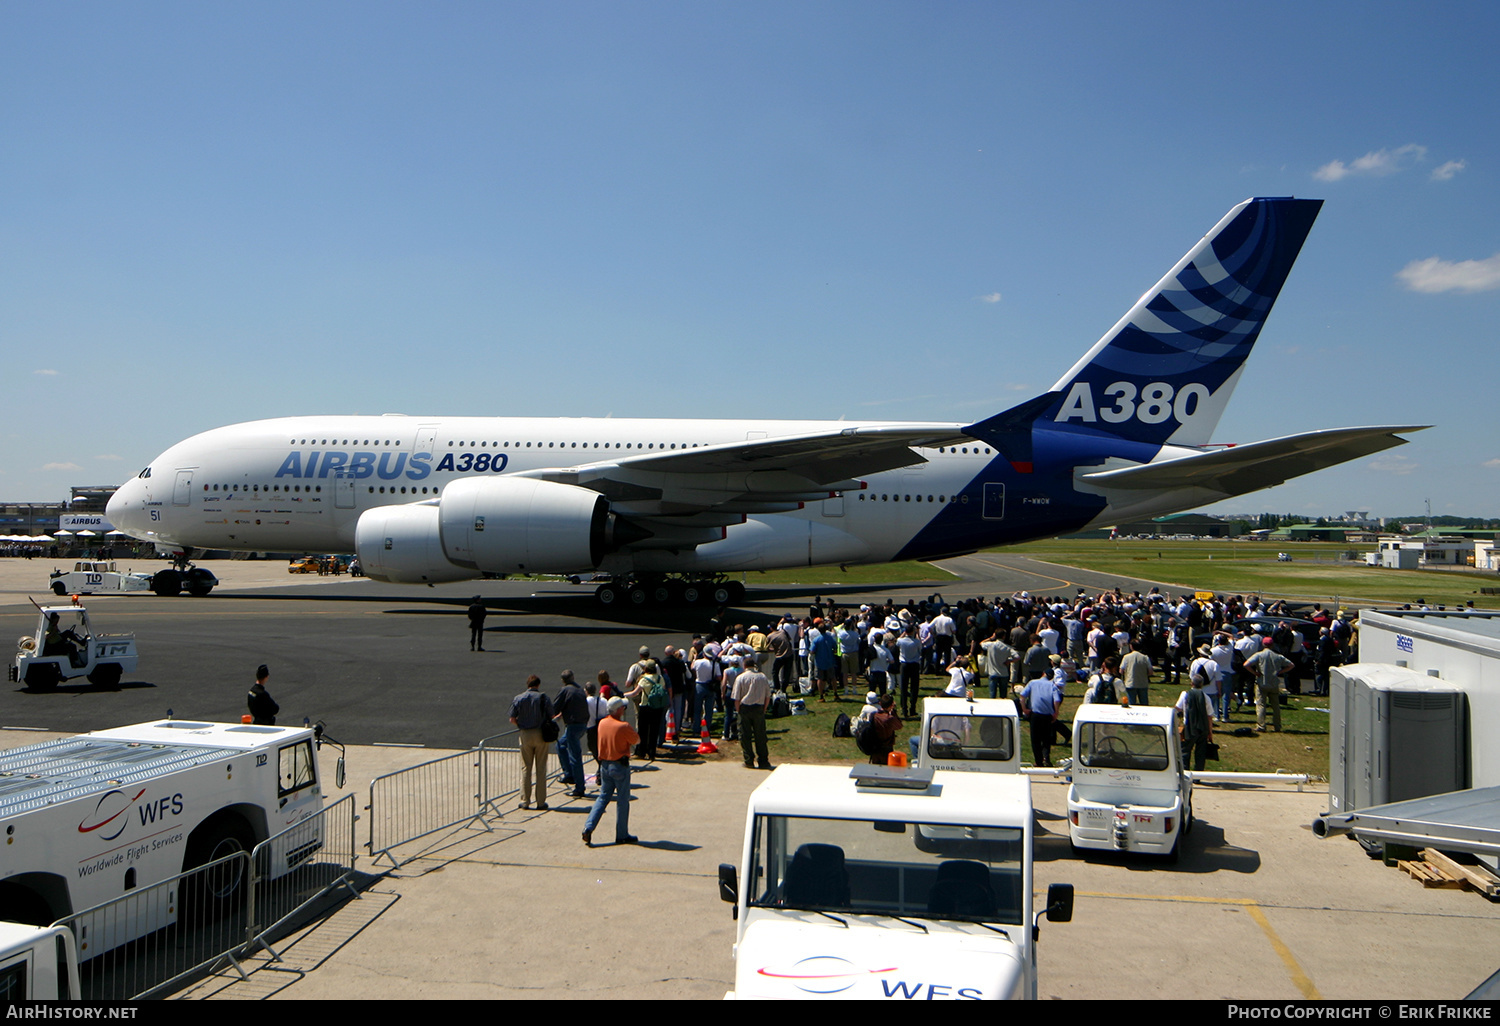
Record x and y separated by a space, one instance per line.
1223 653
1050 637
1208 668
960 680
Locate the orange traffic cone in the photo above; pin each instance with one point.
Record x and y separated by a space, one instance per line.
671 726
706 744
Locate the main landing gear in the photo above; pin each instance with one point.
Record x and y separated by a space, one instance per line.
653 590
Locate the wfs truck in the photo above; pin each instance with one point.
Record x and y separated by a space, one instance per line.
87 819
885 883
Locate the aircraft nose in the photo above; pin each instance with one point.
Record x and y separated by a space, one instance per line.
125 507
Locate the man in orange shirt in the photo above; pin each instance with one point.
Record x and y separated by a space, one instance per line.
616 737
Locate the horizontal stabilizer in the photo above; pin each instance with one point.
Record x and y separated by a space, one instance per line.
1248 468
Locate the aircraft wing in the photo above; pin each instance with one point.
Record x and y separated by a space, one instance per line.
721 483
1250 467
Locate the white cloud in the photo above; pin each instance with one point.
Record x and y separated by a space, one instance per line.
48 373
1393 463
61 466
108 456
1375 163
1448 170
1434 275
1493 463
993 297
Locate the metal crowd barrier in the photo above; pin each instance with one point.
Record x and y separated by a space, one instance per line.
455 790
422 800
312 857
191 923
196 922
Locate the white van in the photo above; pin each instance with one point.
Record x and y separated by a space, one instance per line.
886 883
969 735
1129 790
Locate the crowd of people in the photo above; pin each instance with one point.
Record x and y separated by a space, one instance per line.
1221 652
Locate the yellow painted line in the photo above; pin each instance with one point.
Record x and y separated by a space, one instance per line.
1018 570
1300 979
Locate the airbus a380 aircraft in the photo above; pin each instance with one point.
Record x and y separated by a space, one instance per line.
669 506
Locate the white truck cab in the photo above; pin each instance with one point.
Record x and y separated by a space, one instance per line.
969 735
89 818
37 964
885 883
1129 790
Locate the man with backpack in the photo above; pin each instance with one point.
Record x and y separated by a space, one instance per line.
1105 687
1196 724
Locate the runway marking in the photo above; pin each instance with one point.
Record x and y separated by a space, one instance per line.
1018 570
25 728
1300 979
395 744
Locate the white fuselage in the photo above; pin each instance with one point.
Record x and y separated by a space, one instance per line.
301 484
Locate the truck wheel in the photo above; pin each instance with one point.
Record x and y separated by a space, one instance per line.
214 893
167 583
59 588
1176 851
106 675
23 905
42 676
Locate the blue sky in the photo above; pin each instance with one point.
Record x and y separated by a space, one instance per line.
906 211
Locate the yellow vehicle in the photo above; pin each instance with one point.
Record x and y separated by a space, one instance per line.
318 565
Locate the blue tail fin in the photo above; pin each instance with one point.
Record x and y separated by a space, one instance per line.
1166 370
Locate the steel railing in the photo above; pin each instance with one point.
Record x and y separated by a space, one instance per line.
182 926
419 801
298 866
146 942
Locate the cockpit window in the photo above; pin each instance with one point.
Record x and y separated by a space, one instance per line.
144 474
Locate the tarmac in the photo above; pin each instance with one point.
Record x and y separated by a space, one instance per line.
1257 908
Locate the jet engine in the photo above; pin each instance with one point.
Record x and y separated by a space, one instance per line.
508 525
500 525
401 545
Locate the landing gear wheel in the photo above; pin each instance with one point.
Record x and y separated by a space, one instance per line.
661 595
638 596
691 594
167 583
58 588
43 676
199 582
106 675
607 594
721 594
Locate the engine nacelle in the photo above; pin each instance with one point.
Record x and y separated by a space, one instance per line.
508 525
402 545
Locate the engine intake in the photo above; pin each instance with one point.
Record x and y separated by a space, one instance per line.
522 525
402 545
